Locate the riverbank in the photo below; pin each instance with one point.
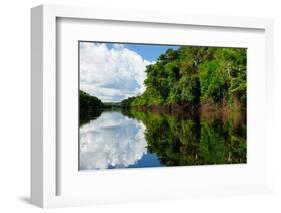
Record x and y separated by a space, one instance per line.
202 107
205 111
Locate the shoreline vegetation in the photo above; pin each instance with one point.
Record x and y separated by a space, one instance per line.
188 79
205 78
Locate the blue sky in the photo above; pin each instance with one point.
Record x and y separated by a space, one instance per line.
114 71
149 52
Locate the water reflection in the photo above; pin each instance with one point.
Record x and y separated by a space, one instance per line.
143 138
112 140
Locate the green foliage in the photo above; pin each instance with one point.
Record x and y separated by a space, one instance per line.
90 107
127 102
213 81
88 102
181 139
190 75
212 147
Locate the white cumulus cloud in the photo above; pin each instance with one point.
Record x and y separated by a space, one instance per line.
111 74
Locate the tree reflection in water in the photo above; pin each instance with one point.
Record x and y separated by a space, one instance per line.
166 139
181 139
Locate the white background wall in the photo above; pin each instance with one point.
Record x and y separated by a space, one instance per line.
15 103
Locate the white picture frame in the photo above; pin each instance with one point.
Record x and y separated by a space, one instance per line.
44 83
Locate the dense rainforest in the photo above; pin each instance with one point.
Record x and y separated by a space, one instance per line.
88 102
193 77
90 107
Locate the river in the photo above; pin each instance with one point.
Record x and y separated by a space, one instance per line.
118 138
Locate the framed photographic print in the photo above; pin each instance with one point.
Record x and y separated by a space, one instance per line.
149 106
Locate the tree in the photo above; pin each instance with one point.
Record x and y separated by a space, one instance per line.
88 102
190 76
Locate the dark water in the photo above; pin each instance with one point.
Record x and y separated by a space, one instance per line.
136 139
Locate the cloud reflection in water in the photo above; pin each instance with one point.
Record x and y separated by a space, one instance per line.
111 141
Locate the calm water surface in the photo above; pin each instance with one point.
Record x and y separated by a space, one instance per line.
136 139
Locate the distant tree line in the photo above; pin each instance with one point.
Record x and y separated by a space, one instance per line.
88 102
190 76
